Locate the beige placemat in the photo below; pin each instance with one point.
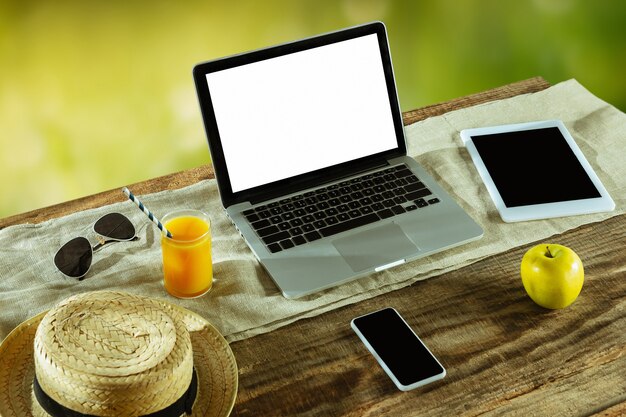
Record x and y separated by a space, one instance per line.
244 301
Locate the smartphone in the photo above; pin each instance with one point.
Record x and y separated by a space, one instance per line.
402 355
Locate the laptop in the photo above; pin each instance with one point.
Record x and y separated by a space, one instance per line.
309 153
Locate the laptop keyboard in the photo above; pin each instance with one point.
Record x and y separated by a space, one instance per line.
324 212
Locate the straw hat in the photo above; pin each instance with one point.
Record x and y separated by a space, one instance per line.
109 353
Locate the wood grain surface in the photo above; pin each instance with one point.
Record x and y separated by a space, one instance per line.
504 355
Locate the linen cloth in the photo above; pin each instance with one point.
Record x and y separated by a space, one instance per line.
244 300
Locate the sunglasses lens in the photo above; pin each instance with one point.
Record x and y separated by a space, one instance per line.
115 226
74 258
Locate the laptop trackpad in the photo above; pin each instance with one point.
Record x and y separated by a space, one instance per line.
375 247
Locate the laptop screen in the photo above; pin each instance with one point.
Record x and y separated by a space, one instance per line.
297 113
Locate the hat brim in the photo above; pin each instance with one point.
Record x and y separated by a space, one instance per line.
213 360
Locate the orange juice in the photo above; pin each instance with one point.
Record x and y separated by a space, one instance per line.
187 263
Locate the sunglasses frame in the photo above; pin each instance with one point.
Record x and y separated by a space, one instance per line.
102 240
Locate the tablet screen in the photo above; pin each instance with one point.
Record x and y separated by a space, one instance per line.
534 167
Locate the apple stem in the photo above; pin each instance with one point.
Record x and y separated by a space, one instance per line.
549 254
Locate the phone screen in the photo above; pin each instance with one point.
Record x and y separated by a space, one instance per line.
400 352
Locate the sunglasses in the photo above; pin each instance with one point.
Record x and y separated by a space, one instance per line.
74 258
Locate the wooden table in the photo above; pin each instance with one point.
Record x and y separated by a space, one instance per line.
503 353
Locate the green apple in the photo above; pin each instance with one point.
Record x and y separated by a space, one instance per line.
552 275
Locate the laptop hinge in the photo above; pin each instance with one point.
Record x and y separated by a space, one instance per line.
316 182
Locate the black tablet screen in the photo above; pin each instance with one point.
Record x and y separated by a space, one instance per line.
534 167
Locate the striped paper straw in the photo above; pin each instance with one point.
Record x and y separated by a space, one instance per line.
143 208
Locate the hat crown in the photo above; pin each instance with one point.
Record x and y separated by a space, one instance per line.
113 354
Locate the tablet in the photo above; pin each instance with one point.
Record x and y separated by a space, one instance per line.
535 171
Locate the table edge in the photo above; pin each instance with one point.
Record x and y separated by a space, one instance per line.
190 176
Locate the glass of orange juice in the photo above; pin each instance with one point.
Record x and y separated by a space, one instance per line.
187 263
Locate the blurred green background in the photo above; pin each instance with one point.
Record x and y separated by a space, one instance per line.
98 94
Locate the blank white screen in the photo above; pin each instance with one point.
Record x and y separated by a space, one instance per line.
297 113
